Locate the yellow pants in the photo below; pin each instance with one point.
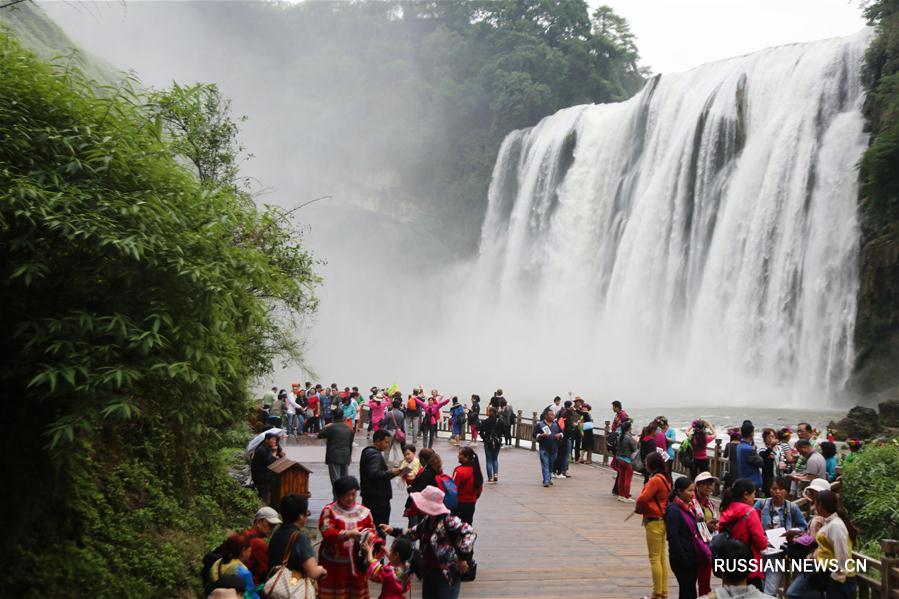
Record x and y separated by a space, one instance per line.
658 556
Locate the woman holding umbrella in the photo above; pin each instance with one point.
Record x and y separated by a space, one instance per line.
446 545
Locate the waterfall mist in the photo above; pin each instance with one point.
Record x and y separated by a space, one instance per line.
697 243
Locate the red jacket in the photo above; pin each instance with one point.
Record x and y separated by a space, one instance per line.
463 476
747 530
258 562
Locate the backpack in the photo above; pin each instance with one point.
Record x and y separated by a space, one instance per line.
612 441
685 454
637 461
724 536
450 491
208 560
412 404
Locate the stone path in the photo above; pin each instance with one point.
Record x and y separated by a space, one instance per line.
568 540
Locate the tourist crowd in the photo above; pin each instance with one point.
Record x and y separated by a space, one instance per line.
685 527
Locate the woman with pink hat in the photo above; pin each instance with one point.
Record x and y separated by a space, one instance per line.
447 544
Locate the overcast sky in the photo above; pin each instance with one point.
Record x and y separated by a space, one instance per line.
676 35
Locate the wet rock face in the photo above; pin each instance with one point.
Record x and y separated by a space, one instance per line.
859 423
889 411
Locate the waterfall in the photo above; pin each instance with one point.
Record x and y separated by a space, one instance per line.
698 242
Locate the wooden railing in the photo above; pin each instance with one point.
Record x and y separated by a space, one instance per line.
880 581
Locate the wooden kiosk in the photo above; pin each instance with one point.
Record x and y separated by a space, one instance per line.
286 477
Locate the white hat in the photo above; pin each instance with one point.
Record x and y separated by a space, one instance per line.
818 485
705 476
268 514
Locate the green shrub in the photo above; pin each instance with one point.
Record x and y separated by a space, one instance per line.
871 491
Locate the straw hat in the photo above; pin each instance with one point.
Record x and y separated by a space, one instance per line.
430 501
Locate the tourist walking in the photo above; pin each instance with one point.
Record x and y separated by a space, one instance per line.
431 412
342 523
338 447
687 551
474 417
836 540
469 481
651 504
547 435
447 544
742 522
413 416
491 435
627 446
289 545
457 421
507 417
377 406
375 477
394 423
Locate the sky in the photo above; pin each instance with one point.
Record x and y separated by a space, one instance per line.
677 35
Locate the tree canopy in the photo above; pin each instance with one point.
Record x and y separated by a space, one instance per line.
143 293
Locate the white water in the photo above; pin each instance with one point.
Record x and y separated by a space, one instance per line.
697 243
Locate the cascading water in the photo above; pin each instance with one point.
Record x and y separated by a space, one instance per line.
698 242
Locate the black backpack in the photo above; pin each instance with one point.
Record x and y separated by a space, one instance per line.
208 561
612 442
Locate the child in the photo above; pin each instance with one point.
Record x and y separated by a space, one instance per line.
411 462
396 576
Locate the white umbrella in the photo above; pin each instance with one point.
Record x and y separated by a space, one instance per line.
252 445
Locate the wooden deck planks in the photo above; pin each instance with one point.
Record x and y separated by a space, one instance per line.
568 540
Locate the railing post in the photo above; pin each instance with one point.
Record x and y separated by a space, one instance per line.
533 425
889 561
716 464
605 444
518 429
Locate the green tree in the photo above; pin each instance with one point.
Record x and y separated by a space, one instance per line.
141 299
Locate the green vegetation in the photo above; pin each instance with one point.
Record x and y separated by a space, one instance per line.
143 292
403 105
877 329
871 493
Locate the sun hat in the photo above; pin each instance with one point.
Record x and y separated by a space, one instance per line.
704 477
819 484
268 514
430 501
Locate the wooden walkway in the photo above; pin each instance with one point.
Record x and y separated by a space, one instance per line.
568 540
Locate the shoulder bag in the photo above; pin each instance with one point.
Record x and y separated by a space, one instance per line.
281 584
398 433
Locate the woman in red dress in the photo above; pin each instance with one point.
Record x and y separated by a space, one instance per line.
343 522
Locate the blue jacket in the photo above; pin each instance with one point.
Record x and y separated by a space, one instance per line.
749 463
790 515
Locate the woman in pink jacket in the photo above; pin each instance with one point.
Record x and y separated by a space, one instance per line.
377 407
739 517
431 416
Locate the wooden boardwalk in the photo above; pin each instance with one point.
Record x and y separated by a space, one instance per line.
568 540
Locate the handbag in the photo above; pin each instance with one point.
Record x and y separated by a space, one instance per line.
398 433
471 573
588 426
282 586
